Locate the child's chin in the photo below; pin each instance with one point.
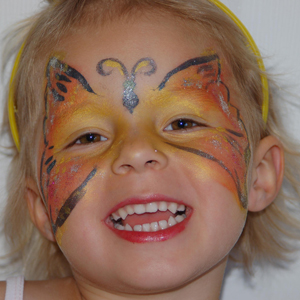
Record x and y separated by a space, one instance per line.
155 282
163 278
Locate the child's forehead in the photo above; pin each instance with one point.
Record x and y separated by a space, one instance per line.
137 37
168 41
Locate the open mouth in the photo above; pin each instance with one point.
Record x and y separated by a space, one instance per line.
149 217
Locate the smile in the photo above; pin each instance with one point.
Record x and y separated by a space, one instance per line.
134 217
154 220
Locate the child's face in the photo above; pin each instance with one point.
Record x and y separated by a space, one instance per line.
140 114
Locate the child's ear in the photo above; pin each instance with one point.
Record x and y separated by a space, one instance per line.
267 173
37 210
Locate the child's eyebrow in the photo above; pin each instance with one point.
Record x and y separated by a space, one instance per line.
193 62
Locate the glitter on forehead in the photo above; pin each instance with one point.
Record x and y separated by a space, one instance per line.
130 99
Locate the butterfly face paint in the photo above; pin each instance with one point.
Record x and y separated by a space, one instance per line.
226 146
64 86
66 90
221 147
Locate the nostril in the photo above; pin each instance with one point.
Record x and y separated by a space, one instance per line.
138 158
151 163
127 166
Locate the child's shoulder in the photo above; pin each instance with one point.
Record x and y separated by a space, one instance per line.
59 289
2 290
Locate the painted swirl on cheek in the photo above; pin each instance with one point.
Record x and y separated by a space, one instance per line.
227 145
63 181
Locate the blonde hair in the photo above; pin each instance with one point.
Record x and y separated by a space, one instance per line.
266 233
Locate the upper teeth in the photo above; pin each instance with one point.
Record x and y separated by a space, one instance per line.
154 226
151 207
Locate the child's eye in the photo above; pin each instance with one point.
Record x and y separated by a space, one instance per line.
90 138
182 124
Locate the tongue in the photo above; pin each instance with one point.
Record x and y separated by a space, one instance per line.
147 218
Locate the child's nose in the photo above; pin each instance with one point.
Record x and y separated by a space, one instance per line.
139 156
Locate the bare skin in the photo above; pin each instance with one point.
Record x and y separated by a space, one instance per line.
67 289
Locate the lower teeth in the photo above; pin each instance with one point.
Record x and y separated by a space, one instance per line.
152 227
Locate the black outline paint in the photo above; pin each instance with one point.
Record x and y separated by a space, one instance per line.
71 203
191 62
242 197
67 70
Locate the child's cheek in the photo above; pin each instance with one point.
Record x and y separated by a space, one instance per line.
218 157
65 186
223 151
65 177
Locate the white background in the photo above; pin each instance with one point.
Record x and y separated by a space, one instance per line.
275 26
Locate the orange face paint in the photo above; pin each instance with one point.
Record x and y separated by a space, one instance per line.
225 145
63 181
222 146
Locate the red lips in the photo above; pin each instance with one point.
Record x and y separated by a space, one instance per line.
174 216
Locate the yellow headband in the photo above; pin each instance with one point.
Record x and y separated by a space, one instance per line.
11 103
265 105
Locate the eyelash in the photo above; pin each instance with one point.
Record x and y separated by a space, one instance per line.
182 122
90 139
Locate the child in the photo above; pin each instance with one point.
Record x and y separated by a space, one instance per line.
145 155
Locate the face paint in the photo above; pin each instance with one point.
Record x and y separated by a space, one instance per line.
221 149
227 145
61 192
130 99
